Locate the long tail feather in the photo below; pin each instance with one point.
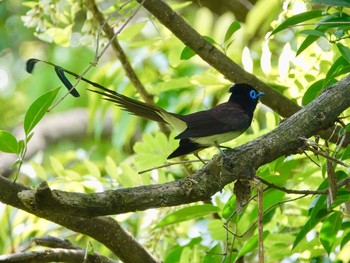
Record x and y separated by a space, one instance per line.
133 106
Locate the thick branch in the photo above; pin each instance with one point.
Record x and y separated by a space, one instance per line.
54 255
284 140
103 229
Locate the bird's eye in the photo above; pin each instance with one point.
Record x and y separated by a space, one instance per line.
252 94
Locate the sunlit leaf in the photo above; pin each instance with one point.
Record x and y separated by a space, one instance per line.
8 142
56 165
345 51
128 177
59 35
111 167
332 2
216 229
38 109
92 168
131 31
39 171
180 5
152 150
329 230
176 83
187 213
294 20
235 25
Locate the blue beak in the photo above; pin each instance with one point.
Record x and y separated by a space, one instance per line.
260 94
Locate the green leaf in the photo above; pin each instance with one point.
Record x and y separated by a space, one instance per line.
92 168
21 147
309 225
294 20
229 208
235 25
339 67
313 91
345 240
344 51
175 253
152 150
175 83
214 255
311 32
252 244
306 43
325 24
38 109
8 142
188 53
216 230
329 230
332 2
344 130
187 213
131 31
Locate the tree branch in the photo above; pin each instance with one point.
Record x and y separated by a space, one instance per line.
103 229
54 255
244 160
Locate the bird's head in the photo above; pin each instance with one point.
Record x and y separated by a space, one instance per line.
245 95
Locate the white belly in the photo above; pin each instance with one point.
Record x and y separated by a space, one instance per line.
218 138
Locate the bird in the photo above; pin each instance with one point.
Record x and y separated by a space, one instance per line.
202 129
198 130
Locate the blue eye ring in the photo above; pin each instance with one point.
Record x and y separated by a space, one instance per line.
252 94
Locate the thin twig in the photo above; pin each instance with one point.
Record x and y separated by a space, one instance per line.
335 160
292 191
169 164
260 221
323 153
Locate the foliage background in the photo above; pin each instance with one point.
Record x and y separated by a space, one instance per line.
64 33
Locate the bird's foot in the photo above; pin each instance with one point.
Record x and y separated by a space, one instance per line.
224 155
199 158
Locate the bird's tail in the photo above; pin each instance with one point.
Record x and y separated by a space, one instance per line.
133 106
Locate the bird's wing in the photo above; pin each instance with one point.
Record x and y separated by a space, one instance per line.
226 117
